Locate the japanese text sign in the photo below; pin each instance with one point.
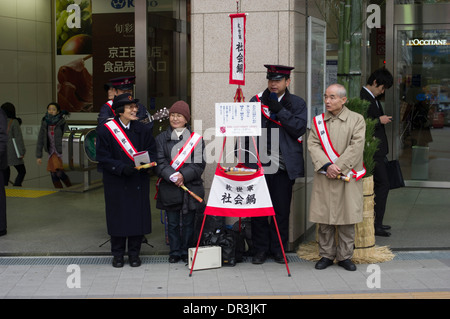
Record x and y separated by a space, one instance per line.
238 119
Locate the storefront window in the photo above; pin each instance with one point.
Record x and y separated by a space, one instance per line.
95 42
168 59
424 93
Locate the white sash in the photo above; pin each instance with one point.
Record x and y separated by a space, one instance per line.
121 138
266 112
328 148
186 151
110 103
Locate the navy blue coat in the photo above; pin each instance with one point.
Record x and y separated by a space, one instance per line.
127 198
293 118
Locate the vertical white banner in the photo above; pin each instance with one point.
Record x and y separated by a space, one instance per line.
237 55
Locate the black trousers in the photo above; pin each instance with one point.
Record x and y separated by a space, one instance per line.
118 245
21 171
381 188
264 233
2 205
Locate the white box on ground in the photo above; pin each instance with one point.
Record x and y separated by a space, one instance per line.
207 257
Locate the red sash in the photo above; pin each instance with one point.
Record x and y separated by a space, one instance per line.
266 112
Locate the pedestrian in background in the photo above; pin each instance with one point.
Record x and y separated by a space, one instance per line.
3 164
377 83
16 146
50 136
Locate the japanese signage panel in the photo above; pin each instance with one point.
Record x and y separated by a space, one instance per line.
238 119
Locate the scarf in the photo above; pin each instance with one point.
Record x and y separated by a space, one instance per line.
54 119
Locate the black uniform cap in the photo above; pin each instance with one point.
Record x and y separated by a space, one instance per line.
278 72
123 99
123 82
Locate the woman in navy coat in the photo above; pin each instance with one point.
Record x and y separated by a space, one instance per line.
127 190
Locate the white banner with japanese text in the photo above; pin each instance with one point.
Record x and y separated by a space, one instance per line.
237 55
239 195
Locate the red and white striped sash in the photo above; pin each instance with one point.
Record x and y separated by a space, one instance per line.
332 154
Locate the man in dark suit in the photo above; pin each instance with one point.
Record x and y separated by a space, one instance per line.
3 165
377 83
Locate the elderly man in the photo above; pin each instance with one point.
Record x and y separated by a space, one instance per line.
336 145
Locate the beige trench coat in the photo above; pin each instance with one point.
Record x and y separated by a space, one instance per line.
335 202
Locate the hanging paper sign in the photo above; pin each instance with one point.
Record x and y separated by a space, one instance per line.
237 56
238 119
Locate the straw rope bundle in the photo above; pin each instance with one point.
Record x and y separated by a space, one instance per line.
366 252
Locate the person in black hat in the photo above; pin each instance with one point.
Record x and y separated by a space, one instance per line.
127 189
120 85
284 115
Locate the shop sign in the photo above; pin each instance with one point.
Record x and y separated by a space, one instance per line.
422 42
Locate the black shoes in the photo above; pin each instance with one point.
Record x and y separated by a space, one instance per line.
379 231
259 258
279 258
135 261
347 265
118 262
174 259
323 263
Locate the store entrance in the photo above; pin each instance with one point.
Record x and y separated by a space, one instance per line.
423 96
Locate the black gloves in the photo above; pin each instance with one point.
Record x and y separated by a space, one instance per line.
274 106
128 170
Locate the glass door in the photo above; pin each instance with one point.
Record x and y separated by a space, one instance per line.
423 97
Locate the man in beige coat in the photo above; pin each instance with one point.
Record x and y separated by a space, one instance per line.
336 145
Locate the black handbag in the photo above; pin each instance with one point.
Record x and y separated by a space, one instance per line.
395 175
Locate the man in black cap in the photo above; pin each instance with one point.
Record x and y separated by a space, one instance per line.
121 85
127 189
285 119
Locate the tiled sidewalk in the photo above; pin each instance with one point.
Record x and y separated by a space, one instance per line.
409 275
